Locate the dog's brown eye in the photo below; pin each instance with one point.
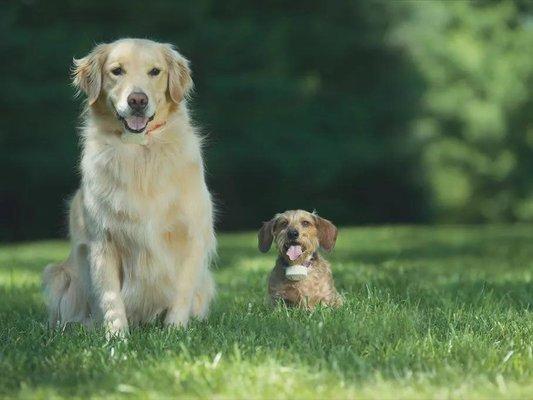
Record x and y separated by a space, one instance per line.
283 224
306 223
154 72
117 71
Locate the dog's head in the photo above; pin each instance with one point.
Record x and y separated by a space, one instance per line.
133 80
297 234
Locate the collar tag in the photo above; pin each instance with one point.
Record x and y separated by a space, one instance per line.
296 272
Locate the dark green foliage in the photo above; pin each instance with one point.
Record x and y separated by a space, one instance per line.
474 127
304 106
347 107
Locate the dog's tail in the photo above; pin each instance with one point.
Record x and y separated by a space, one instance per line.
56 281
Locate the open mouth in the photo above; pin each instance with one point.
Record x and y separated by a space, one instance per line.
135 123
293 250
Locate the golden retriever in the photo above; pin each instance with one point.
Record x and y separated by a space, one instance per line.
141 224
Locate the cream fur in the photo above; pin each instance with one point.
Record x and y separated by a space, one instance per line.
141 224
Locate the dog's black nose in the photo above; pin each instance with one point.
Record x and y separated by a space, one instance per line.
137 101
292 233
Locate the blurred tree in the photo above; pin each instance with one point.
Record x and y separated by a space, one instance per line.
304 105
347 107
474 128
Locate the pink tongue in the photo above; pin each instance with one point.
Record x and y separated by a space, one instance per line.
294 252
137 123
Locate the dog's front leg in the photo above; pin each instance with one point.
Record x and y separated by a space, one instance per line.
105 283
188 273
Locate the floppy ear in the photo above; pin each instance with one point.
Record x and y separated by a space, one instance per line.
87 73
179 74
327 233
266 235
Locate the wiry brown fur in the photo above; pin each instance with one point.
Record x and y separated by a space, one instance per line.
314 233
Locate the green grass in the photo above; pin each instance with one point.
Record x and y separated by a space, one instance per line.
430 313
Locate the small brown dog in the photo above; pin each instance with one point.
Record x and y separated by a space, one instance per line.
301 276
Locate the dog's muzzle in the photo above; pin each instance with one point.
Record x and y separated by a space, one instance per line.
135 123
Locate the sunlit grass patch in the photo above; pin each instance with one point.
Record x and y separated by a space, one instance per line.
430 313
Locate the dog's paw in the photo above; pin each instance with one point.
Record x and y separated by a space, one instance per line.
116 329
178 323
121 335
177 320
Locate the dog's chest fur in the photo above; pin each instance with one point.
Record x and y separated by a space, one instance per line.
317 287
139 198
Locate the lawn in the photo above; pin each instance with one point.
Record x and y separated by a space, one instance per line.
430 313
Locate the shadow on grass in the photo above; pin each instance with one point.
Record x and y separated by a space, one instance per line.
329 340
437 250
391 307
413 245
34 266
